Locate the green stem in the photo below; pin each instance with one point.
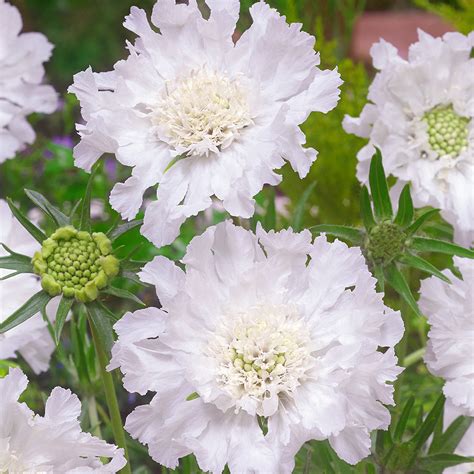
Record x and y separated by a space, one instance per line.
111 398
414 357
93 416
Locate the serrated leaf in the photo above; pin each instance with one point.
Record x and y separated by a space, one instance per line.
33 306
34 231
420 221
85 219
379 188
403 420
300 207
397 281
102 324
422 244
124 294
54 213
64 307
366 209
421 264
340 231
441 461
405 208
448 441
116 232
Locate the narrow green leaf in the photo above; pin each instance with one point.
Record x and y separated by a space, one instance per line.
383 443
298 214
398 282
403 420
438 462
422 244
33 306
420 221
74 210
378 273
54 213
427 427
366 209
379 188
64 307
102 324
35 232
15 261
124 294
343 232
85 220
269 221
421 264
405 208
116 232
322 456
449 440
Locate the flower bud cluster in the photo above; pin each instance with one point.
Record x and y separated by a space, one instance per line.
385 241
75 263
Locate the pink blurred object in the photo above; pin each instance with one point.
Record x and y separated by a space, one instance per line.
398 28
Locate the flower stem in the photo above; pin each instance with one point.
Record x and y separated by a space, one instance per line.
93 416
414 357
111 398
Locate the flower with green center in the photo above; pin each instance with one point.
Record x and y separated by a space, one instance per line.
75 263
447 131
385 241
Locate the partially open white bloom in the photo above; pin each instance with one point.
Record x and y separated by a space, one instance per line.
53 443
31 339
251 335
450 312
421 117
21 72
200 115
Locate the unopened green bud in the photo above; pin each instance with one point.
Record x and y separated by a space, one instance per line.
384 242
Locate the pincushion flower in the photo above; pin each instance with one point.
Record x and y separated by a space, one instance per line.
21 74
252 338
450 312
421 117
53 443
199 115
31 339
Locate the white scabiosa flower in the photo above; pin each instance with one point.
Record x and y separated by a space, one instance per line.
200 115
450 312
31 339
53 443
21 72
256 351
421 117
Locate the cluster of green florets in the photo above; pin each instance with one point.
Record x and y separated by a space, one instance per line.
75 263
243 362
385 241
447 131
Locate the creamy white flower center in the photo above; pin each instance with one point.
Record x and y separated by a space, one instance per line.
201 113
262 354
10 461
447 131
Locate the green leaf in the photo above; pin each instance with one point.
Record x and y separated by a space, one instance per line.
300 207
124 294
420 221
378 273
74 210
85 220
64 307
379 188
16 261
33 306
438 462
405 208
398 282
343 232
116 232
102 324
423 265
366 209
422 244
428 426
449 440
403 420
34 231
269 221
58 217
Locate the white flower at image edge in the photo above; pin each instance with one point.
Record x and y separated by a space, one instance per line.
449 309
200 115
50 443
420 115
21 72
31 339
251 338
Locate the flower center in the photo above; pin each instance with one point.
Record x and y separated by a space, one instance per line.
202 113
75 263
385 241
447 131
262 355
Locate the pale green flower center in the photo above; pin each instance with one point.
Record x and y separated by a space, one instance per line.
75 263
447 131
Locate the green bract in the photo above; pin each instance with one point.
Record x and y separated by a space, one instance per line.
384 242
75 263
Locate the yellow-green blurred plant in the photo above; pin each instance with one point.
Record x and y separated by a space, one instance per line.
462 17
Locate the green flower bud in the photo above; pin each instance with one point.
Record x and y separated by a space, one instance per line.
385 242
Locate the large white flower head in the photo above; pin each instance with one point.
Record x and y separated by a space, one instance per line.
31 339
421 117
200 115
53 443
252 337
450 312
21 72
